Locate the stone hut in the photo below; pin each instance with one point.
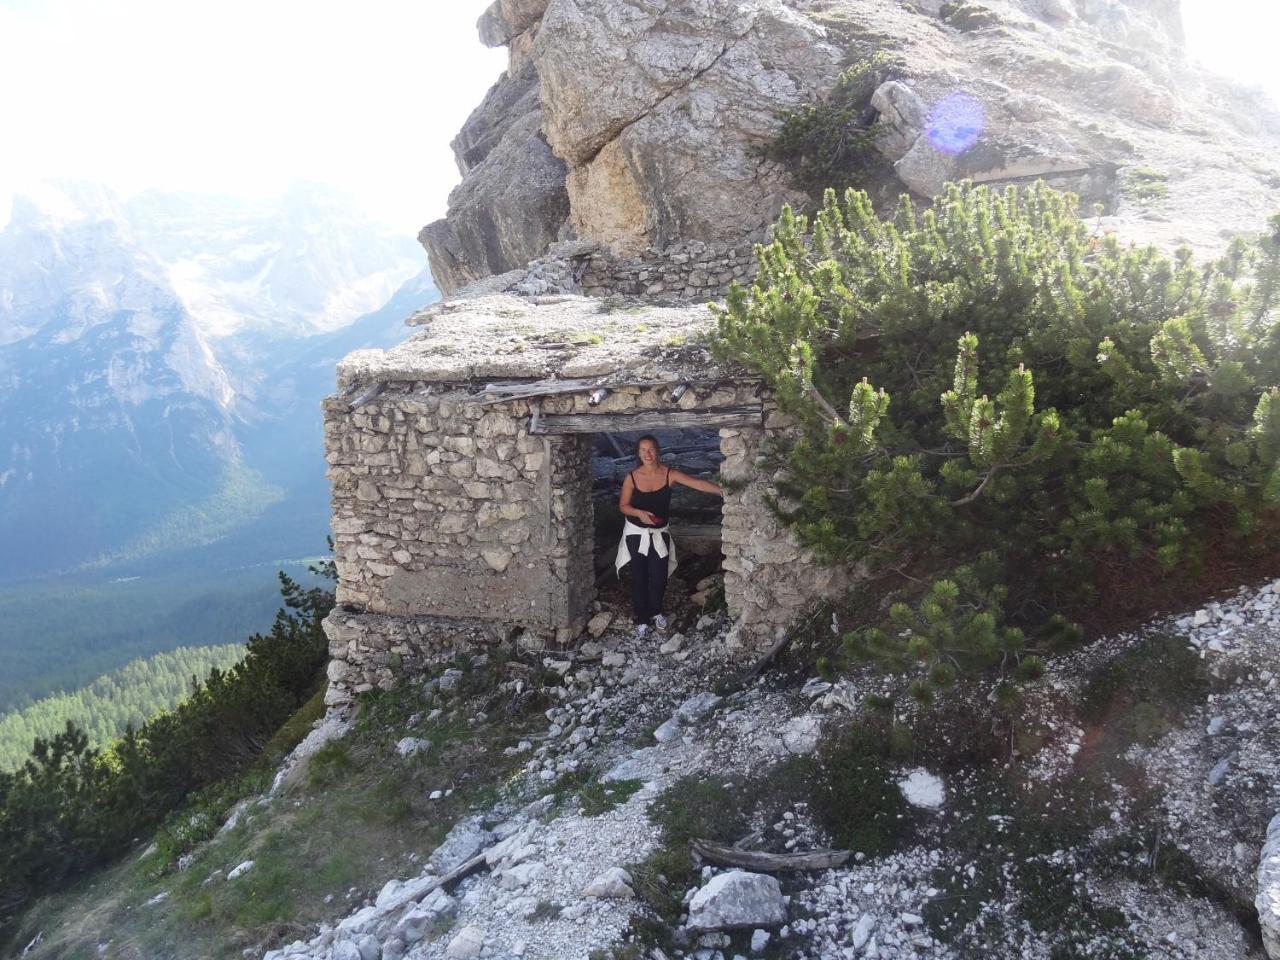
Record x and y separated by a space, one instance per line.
460 465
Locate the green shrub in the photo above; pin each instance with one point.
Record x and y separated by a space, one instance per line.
967 17
830 143
851 791
1017 417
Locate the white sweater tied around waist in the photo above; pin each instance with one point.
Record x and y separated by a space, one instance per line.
648 539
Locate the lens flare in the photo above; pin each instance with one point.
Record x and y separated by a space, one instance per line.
955 123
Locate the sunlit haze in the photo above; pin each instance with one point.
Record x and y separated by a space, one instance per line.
242 96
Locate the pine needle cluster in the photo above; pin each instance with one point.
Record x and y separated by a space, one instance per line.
1007 408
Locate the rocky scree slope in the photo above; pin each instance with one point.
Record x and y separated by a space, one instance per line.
1129 822
634 126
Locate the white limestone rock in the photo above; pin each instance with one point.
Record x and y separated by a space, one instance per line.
801 734
737 900
467 838
920 788
697 707
613 884
466 945
240 870
1268 898
408 746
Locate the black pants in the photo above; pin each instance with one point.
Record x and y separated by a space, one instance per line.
648 578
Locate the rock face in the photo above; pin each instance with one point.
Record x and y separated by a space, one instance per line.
650 118
657 112
637 126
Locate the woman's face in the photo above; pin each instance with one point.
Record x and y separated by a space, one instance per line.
648 452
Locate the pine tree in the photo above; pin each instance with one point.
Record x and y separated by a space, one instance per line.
1029 406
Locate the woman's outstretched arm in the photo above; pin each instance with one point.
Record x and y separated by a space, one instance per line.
706 486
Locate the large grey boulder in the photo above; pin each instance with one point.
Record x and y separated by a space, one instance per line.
738 899
1268 899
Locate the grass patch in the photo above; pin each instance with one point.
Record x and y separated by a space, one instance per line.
1030 847
545 910
966 17
847 786
1140 695
327 764
583 790
1144 185
597 798
851 792
296 727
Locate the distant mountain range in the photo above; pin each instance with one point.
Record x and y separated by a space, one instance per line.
161 363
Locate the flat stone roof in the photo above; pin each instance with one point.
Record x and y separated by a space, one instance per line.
504 337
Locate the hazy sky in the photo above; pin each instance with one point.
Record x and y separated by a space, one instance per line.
243 95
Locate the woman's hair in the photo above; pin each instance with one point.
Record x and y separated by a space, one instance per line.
652 439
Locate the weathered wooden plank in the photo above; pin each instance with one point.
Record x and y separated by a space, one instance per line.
768 862
369 395
750 415
515 390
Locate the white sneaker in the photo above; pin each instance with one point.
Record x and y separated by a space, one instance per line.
642 630
660 622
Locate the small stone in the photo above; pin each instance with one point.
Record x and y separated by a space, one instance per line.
598 624
862 930
759 940
697 707
369 947
613 884
672 644
498 558
240 870
1219 771
613 660
800 735
468 944
411 745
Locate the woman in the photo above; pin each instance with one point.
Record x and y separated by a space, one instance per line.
646 540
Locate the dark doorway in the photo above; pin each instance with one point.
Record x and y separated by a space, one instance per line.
695 517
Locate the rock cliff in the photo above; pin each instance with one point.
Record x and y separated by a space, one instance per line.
636 125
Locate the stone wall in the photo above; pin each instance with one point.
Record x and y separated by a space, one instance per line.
372 651
690 270
453 524
769 579
445 507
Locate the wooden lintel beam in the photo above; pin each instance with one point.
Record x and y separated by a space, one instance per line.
747 415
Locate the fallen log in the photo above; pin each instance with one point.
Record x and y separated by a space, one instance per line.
768 862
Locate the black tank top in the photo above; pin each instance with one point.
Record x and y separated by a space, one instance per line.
657 502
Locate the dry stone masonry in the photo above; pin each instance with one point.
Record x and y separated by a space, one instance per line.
460 465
